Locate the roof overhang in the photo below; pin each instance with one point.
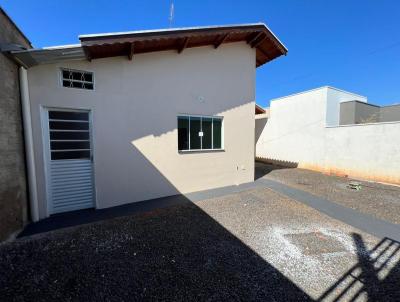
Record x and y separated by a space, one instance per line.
32 57
258 36
259 109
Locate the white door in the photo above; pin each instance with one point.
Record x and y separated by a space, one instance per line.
70 183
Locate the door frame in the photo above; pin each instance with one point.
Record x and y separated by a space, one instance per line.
44 120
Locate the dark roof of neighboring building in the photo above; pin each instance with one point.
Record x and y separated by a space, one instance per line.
257 35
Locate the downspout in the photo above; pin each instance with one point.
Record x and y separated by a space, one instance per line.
30 161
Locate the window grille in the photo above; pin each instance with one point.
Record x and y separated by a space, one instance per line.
77 79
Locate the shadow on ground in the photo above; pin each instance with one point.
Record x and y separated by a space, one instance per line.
375 277
173 253
262 168
176 253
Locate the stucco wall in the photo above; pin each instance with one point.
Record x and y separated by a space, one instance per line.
347 113
294 131
13 195
298 132
355 112
368 151
390 113
335 99
135 106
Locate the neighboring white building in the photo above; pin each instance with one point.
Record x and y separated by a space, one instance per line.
125 117
305 130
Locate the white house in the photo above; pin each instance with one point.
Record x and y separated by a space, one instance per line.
131 116
332 131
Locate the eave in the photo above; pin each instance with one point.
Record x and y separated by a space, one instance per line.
128 44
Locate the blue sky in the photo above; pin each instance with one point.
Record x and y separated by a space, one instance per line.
352 45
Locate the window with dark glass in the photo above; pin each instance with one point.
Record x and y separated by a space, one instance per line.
183 133
77 79
217 133
206 127
69 135
195 132
199 133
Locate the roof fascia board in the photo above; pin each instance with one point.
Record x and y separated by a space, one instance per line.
177 32
315 89
171 30
37 56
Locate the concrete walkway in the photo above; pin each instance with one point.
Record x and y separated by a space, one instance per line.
364 222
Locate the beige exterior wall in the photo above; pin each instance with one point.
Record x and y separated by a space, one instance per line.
135 106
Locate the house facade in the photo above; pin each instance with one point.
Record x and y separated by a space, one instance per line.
128 117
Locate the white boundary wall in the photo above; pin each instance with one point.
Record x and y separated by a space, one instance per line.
304 129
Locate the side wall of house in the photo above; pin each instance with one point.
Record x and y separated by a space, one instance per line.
135 106
298 133
13 195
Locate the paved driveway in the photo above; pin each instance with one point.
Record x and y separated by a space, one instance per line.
253 245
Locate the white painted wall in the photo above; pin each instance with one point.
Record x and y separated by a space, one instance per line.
135 106
333 99
304 129
295 129
367 151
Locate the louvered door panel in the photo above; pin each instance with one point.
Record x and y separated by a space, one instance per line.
71 169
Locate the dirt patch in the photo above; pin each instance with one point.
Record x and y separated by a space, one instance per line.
306 243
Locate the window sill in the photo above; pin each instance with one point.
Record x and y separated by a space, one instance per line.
201 151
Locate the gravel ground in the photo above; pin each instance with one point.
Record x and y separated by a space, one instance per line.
378 200
254 246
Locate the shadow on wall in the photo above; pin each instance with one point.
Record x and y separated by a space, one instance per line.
195 171
259 127
375 277
122 176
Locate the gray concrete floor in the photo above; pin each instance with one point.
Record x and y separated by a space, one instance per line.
321 255
255 245
379 200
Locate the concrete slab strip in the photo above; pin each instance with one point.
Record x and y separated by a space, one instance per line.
364 222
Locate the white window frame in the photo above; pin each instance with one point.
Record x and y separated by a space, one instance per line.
78 81
222 148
